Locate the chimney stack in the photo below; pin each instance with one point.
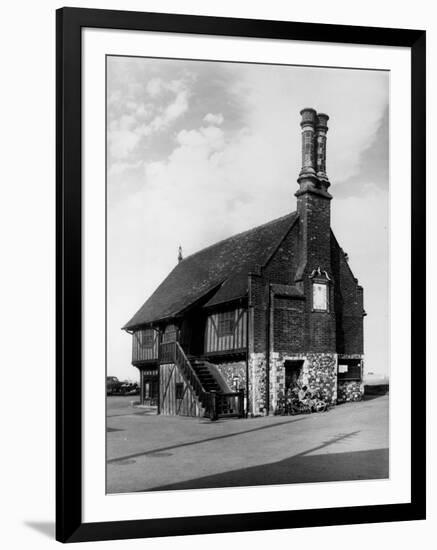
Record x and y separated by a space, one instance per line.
312 177
313 198
308 124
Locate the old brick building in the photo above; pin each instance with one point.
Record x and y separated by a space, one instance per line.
259 311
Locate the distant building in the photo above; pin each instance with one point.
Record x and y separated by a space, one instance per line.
262 310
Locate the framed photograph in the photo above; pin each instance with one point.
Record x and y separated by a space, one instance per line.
240 275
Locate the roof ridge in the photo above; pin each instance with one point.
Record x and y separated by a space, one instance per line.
271 222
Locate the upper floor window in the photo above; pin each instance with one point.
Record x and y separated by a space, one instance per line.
170 334
147 338
226 323
320 296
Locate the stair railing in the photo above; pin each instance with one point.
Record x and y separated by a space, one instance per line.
167 352
179 357
216 403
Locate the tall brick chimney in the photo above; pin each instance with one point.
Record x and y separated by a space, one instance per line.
313 199
314 272
308 124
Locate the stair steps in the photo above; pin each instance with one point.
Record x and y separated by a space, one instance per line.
207 380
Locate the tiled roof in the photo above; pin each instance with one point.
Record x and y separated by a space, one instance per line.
220 270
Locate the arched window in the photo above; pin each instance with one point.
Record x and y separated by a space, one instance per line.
170 334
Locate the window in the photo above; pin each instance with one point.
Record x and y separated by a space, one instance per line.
147 338
226 323
179 390
349 370
320 296
170 334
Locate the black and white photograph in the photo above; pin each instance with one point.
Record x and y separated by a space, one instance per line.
247 274
217 278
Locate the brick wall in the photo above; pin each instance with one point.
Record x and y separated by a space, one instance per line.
321 336
350 390
289 325
281 269
319 372
232 370
314 228
257 384
258 317
348 303
315 252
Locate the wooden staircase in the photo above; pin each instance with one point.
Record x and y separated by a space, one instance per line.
205 376
197 374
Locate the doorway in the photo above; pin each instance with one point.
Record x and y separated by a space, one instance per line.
293 372
150 387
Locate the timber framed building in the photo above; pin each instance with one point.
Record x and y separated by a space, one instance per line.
255 313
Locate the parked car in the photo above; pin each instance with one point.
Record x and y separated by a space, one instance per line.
129 388
113 385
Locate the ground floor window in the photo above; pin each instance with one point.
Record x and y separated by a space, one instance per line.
179 390
349 369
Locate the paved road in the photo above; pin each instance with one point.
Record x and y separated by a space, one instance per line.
150 452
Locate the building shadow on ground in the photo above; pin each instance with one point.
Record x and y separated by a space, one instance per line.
205 440
302 468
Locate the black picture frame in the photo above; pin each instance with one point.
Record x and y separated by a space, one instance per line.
69 525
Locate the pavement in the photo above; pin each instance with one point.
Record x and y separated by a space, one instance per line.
146 451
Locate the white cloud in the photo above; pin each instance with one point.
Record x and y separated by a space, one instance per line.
114 97
153 169
126 131
167 116
154 86
120 167
126 122
217 119
143 111
121 143
177 108
210 138
176 86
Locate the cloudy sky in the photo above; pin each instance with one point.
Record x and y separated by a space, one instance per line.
199 151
